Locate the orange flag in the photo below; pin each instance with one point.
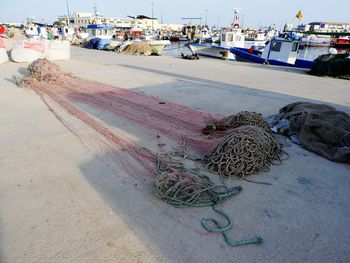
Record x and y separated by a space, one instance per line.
299 15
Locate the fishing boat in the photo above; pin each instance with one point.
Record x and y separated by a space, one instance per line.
138 35
231 38
279 51
35 31
67 32
203 34
100 31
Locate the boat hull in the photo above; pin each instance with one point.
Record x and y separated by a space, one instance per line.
246 56
159 45
212 51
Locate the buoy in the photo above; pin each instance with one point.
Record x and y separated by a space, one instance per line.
333 51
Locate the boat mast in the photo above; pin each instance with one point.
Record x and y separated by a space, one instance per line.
68 22
236 16
152 3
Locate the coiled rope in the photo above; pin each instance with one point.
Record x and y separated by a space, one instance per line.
219 128
182 187
245 151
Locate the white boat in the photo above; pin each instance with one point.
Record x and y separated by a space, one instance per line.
215 38
68 32
35 31
228 39
159 45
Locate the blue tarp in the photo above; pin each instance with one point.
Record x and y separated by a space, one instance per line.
92 44
103 44
98 43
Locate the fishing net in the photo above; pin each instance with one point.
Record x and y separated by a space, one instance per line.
174 183
41 70
158 116
139 48
245 151
337 66
320 128
217 128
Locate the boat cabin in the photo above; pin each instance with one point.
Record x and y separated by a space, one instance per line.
281 49
136 34
100 31
232 38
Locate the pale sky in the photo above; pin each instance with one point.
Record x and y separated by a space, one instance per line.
253 13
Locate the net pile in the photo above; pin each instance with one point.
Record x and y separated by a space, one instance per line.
337 66
139 48
41 70
217 128
245 151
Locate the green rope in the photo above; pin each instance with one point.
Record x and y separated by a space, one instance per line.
182 187
224 228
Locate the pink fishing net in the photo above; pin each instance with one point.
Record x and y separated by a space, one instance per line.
158 116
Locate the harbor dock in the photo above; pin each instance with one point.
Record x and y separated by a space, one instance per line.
65 201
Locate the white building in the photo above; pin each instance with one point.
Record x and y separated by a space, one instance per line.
83 19
328 27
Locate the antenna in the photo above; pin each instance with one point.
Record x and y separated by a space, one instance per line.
206 17
95 9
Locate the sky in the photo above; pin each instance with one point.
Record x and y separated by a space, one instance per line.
254 13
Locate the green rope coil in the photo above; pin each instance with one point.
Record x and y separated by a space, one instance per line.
182 187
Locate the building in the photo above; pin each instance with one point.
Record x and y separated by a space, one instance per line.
82 19
328 27
64 19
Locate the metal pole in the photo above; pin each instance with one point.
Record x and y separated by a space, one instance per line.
68 12
152 3
206 17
